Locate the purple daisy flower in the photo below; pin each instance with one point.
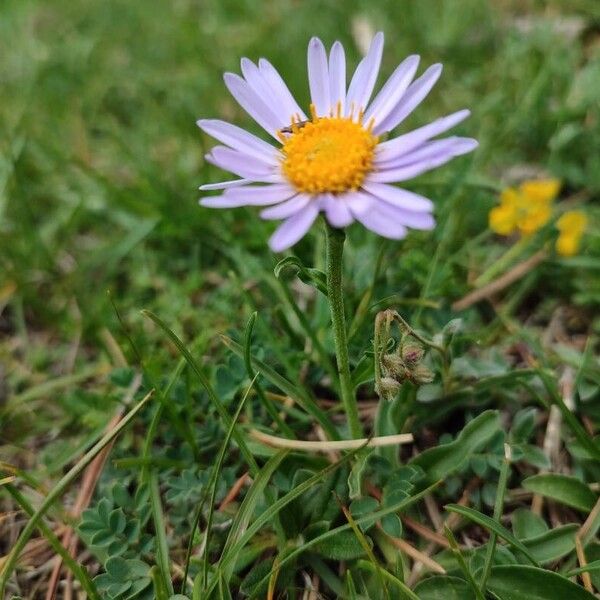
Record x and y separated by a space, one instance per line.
333 161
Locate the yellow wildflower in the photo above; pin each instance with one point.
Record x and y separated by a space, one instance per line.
571 227
540 191
526 209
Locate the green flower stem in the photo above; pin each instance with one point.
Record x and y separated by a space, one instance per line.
335 249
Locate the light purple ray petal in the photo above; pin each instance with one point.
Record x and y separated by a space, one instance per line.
262 195
336 209
254 78
260 84
252 103
413 96
223 185
365 76
393 90
409 141
318 77
240 140
337 77
281 90
365 210
294 228
454 146
241 164
288 208
407 218
411 170
398 197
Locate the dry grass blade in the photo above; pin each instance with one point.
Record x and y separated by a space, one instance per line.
316 446
516 273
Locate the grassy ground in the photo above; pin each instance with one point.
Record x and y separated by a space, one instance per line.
100 159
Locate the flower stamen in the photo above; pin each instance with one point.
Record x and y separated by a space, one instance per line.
328 154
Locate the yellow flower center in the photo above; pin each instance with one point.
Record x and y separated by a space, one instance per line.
328 154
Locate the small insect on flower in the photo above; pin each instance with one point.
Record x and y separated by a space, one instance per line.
295 126
333 160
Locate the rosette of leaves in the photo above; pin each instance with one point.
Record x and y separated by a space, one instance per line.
115 531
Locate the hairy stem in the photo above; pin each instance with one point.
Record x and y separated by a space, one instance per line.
335 250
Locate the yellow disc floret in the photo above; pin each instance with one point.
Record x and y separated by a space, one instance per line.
328 154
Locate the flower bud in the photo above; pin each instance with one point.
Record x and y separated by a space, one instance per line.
393 364
388 388
421 374
412 354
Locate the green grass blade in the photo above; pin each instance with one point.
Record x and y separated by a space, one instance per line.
491 525
239 440
462 563
298 395
162 548
405 591
244 514
273 412
498 508
215 477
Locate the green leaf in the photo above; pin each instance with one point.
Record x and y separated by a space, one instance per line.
440 461
564 489
523 425
392 525
400 506
526 524
342 546
517 582
491 525
310 276
444 588
553 544
357 472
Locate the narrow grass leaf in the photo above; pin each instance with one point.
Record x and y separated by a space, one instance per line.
160 530
462 563
273 412
215 478
239 440
491 525
288 388
404 592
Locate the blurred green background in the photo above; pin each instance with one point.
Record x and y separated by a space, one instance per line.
100 160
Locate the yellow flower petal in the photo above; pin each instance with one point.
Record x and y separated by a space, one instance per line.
534 218
568 245
502 219
540 191
573 221
509 197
